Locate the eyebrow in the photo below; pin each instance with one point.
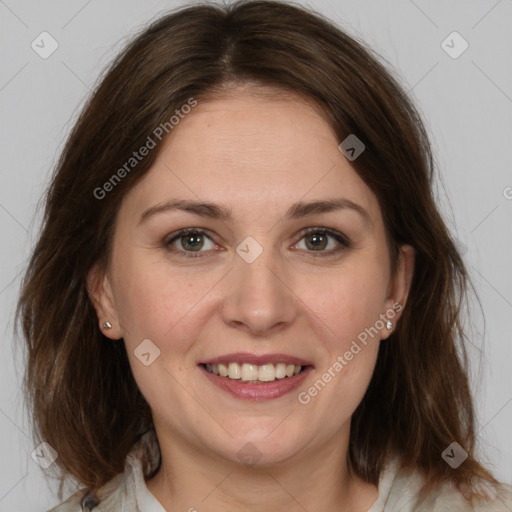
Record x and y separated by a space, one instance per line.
296 211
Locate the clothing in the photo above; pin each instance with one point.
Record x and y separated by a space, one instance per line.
398 490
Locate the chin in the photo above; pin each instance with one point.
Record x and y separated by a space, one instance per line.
262 450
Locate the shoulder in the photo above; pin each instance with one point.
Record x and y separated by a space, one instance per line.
117 494
494 498
126 489
72 504
108 499
399 489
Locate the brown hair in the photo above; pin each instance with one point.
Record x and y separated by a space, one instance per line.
85 401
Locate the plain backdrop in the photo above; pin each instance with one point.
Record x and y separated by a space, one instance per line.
466 103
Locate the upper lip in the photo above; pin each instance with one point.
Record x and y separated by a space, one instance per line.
246 357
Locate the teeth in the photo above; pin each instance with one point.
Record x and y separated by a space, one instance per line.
249 372
234 371
280 371
252 372
267 373
223 371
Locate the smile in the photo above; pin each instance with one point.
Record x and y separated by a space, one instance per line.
255 377
247 372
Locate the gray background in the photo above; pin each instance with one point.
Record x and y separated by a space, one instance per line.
466 103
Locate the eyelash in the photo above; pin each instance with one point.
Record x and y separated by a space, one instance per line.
341 239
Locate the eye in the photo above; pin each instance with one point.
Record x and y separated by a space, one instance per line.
189 240
318 239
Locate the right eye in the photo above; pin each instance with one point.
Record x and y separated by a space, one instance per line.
187 241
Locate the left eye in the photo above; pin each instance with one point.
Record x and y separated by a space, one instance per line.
317 239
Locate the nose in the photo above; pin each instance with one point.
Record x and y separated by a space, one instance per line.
260 299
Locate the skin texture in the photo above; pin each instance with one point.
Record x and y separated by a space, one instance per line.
256 156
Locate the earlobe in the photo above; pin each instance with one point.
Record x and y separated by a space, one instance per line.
100 293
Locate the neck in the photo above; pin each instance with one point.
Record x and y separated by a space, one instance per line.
315 480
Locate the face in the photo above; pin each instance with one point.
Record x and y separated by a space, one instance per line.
261 283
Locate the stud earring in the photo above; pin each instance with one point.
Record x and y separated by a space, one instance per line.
107 325
389 325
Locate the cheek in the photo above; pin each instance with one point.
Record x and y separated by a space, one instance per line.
157 302
357 301
150 299
350 301
351 383
165 303
352 341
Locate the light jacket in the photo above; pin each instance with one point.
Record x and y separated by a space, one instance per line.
398 490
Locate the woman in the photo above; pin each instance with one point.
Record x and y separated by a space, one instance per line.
244 296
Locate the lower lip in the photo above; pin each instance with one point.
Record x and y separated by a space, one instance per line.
260 391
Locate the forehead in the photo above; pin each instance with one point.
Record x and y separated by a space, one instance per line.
252 152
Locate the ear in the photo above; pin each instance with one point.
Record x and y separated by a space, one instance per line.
100 293
399 287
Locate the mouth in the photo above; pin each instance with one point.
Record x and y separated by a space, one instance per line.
247 372
252 377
